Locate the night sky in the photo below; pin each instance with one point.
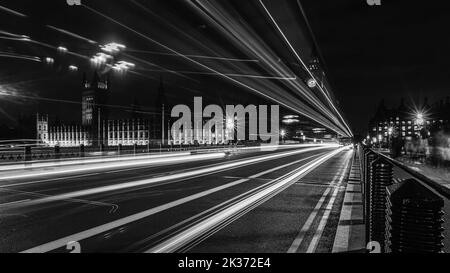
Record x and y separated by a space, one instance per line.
398 49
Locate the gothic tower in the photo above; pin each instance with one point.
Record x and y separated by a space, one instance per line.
93 108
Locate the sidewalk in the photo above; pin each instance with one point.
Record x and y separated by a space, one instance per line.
350 234
439 175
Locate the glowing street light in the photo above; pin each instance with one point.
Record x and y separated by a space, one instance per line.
230 123
123 66
420 119
73 68
283 134
49 60
62 49
311 83
100 59
112 48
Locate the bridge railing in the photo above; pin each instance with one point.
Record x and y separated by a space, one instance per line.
405 211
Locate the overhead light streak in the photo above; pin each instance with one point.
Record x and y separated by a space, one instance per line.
250 41
196 56
288 78
13 34
19 56
72 34
269 96
13 12
304 65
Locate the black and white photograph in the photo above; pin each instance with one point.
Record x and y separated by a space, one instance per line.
230 133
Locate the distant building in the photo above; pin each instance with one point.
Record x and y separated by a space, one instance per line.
95 129
407 123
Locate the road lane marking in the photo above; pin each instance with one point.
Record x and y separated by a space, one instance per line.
323 222
135 217
301 235
308 224
211 223
230 201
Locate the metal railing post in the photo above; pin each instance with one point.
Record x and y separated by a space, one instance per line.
414 218
380 176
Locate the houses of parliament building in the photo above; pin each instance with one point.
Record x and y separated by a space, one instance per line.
96 129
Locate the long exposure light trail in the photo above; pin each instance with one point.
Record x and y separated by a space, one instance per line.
195 56
240 83
173 177
304 65
72 34
242 36
289 78
113 165
137 216
19 56
39 164
266 191
13 12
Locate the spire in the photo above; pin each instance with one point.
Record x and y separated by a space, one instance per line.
161 97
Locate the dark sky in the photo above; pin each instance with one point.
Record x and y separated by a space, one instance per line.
398 49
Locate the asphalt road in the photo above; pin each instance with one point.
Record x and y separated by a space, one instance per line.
245 201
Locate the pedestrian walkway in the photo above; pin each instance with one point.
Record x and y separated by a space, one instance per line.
350 234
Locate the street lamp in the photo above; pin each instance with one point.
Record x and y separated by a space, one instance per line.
420 119
282 133
390 131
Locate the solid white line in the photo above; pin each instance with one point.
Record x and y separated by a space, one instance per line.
135 217
307 225
301 235
318 234
195 231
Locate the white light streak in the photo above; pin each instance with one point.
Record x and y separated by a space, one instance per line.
135 217
12 11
